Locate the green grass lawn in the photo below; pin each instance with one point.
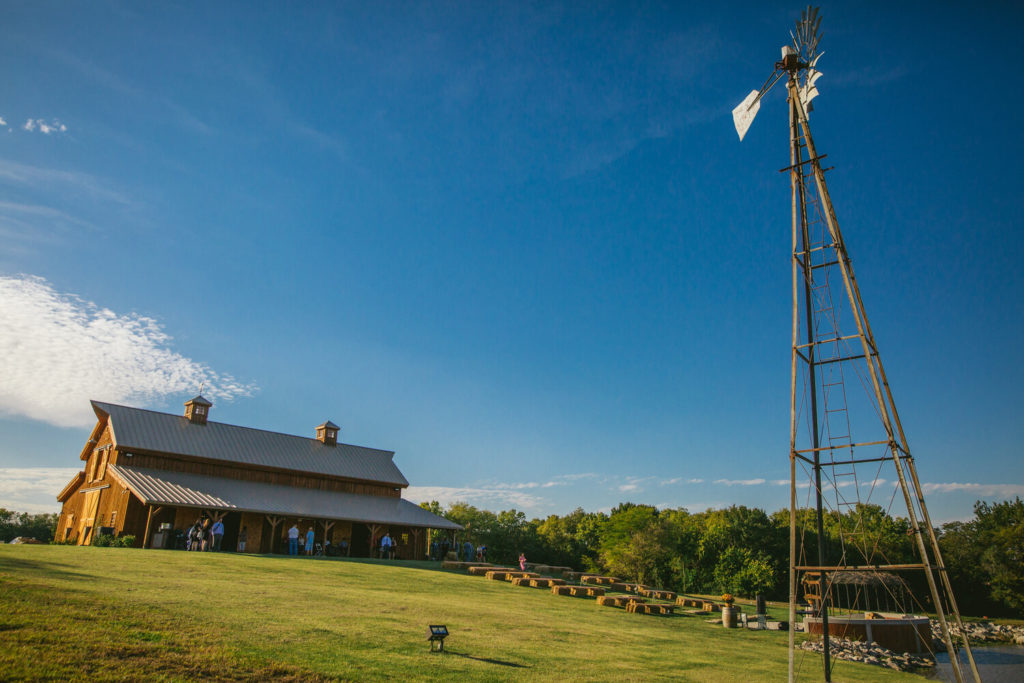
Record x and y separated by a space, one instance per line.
121 613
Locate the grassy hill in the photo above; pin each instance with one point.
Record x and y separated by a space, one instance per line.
113 613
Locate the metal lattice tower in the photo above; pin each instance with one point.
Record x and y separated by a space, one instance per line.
851 438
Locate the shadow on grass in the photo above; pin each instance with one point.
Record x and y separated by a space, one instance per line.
51 569
486 660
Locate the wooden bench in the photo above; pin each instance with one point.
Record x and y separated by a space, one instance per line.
648 608
658 595
618 600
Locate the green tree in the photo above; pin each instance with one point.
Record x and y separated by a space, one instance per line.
41 527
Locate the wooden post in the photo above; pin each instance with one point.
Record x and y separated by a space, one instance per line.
327 524
149 518
274 521
375 530
416 534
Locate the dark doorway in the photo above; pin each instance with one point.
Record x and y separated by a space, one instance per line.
232 523
360 540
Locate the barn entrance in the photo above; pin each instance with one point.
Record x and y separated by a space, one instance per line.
360 540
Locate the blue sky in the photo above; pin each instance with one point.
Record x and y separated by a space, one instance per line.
519 245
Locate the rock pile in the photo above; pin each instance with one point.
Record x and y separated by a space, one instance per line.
979 632
870 653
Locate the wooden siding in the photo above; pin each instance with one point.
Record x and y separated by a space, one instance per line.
298 480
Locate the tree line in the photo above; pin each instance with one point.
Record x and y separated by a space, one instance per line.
745 551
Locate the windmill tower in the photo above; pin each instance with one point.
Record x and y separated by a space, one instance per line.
848 450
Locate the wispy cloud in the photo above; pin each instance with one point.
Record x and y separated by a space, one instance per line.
58 182
57 351
489 498
33 489
3 121
740 482
1002 490
41 125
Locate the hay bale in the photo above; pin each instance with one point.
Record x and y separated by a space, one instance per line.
545 583
542 568
641 608
520 581
586 591
576 576
562 590
494 575
509 575
683 601
709 606
598 580
619 587
618 600
451 564
658 595
607 580
636 587
482 569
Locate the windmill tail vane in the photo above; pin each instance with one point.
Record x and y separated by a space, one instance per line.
799 60
849 435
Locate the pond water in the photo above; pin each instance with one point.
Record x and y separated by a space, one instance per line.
996 664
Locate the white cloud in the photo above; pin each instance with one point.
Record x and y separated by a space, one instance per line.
489 498
740 482
628 488
1002 490
33 489
3 121
57 351
43 127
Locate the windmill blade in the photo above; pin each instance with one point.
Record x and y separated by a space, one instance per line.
744 113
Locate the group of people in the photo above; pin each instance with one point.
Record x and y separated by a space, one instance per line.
464 552
294 539
208 536
305 544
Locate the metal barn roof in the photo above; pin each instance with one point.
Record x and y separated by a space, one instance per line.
160 487
148 430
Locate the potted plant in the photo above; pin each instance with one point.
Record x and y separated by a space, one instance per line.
728 611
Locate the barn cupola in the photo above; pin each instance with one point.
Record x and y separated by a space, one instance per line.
327 433
197 410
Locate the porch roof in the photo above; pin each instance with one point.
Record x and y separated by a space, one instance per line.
180 489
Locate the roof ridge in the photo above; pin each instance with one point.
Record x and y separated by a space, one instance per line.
227 424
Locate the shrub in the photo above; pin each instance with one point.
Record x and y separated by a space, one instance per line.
103 541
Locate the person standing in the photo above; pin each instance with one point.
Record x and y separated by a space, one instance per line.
243 536
293 540
385 546
467 551
218 535
310 537
522 562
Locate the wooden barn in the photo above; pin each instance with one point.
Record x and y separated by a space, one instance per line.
152 475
